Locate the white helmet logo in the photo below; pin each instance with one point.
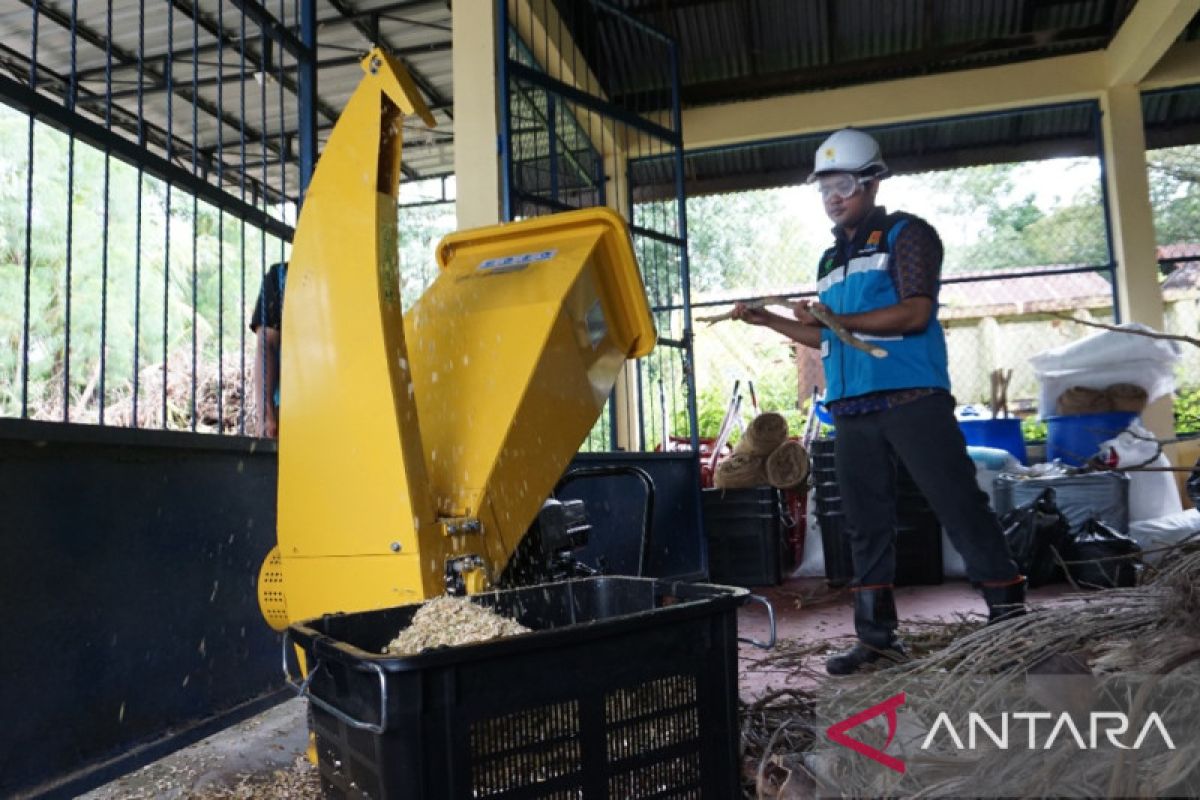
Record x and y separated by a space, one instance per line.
849 150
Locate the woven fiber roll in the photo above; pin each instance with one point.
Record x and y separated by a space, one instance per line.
1082 400
1127 397
787 466
740 471
766 432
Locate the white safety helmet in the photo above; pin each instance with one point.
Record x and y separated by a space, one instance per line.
849 150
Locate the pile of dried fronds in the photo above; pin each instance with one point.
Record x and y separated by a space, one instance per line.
1097 640
218 395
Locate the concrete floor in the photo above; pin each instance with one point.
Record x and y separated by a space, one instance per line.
222 765
806 610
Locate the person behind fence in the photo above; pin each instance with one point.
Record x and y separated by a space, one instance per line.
267 323
880 280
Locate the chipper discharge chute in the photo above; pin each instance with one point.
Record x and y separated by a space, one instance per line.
417 449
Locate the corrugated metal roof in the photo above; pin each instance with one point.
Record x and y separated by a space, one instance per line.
730 49
734 49
252 101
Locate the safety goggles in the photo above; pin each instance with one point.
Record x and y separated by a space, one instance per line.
843 184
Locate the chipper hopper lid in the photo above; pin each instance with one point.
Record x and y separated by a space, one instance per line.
621 287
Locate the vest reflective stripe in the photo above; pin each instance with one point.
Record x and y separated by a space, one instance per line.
863 283
878 262
825 283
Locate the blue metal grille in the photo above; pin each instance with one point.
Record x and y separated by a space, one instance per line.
569 144
149 180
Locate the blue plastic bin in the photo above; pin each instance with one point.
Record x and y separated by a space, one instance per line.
1075 438
1003 434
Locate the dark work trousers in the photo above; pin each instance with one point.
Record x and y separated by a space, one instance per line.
924 436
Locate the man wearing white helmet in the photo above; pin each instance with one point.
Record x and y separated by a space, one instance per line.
880 280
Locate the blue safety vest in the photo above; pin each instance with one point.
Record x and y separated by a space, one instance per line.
854 277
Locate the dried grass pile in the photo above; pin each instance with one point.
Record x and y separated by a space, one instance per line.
219 398
1099 641
449 621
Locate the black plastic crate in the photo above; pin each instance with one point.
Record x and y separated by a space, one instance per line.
744 529
919 550
835 545
627 688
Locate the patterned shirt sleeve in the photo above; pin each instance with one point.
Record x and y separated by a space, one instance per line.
916 268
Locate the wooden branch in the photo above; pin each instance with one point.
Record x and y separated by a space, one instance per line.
838 329
1148 334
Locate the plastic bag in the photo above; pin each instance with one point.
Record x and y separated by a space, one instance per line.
1100 558
1151 494
1155 535
1038 533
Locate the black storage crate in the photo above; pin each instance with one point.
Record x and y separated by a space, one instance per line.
918 532
627 688
744 529
835 544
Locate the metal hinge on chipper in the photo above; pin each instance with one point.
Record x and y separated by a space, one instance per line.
465 574
460 526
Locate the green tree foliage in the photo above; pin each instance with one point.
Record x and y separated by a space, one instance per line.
747 240
1014 231
1175 193
123 288
421 228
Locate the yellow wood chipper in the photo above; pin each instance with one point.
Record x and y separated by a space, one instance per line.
417 448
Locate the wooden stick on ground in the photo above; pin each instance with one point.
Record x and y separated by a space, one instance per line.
838 329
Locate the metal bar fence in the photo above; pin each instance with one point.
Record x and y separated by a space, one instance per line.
566 143
119 265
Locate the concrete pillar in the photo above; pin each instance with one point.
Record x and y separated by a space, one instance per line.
629 423
1129 206
476 114
1133 224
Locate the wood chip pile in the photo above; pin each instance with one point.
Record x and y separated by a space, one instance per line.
449 621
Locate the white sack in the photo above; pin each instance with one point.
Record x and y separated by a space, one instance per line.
1105 358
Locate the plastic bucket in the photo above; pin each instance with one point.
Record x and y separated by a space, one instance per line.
1075 438
1003 434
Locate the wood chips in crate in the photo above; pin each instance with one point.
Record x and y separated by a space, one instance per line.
450 621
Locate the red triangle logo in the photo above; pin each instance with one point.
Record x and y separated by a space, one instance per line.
837 731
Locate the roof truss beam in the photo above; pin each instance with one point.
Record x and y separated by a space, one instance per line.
211 27
370 31
1083 76
1144 38
180 89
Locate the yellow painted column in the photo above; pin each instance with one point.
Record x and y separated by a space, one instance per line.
1133 223
476 114
616 193
1129 206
